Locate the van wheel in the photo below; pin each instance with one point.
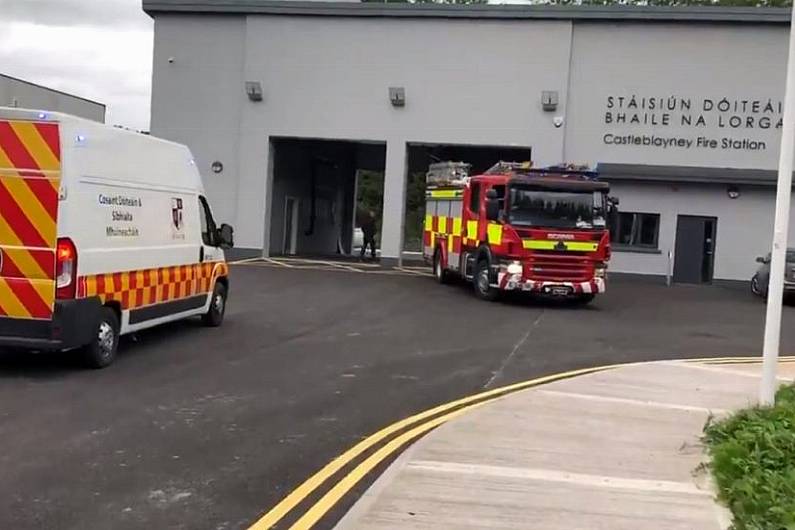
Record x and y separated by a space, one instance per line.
214 316
101 351
441 275
482 282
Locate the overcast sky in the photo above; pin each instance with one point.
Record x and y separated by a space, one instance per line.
98 49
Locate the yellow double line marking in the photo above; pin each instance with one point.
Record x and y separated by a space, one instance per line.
431 418
425 421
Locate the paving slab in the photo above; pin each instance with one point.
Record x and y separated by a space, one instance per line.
786 370
618 449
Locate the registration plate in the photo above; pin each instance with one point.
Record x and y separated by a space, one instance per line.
559 290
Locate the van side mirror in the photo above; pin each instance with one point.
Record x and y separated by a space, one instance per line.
760 259
226 238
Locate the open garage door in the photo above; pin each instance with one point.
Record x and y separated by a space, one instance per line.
421 155
313 197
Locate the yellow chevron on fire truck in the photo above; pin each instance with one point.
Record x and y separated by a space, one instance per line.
518 228
91 246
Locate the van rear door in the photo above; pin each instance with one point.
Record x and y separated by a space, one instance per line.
30 173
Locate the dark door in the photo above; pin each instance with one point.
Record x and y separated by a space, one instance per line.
695 249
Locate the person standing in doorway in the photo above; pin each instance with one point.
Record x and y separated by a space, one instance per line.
367 223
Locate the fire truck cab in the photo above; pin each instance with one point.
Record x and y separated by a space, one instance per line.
542 231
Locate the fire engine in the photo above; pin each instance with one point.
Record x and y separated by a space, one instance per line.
515 227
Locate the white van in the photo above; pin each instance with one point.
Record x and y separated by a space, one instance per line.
103 232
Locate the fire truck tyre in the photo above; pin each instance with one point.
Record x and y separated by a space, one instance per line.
482 282
441 275
756 287
584 299
214 316
101 351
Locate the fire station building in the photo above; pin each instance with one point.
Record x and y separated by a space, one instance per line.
288 105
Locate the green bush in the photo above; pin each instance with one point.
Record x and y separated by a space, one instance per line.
753 462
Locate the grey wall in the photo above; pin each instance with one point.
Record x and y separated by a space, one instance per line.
18 93
328 79
745 225
474 82
686 61
198 98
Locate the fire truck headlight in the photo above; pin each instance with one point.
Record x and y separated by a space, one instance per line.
514 267
600 271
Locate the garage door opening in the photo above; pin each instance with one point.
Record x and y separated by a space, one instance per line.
422 155
314 194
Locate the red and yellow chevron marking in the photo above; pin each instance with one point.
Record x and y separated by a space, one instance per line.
30 172
134 289
449 228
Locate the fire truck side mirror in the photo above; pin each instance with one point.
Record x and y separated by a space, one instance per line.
612 213
492 209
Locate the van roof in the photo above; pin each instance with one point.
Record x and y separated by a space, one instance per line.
99 150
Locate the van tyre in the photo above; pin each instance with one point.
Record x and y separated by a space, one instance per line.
214 316
442 276
482 282
101 351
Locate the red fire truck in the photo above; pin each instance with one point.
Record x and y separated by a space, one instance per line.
515 227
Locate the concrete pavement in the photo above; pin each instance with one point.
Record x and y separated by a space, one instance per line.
618 449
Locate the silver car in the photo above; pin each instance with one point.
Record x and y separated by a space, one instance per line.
760 280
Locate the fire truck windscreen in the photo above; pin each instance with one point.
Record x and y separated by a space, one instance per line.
556 209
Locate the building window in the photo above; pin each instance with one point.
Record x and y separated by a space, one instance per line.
641 230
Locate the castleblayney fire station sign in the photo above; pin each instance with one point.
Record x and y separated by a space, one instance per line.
712 122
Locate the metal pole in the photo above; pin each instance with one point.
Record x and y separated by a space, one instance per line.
775 291
668 270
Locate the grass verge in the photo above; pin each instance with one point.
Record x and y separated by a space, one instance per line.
753 461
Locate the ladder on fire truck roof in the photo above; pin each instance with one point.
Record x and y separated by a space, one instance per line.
526 168
444 174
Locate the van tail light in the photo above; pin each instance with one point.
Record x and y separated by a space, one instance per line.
65 269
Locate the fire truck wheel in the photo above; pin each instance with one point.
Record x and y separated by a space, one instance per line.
584 299
441 275
482 282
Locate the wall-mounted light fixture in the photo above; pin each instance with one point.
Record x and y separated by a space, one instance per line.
549 100
397 96
254 90
217 166
733 192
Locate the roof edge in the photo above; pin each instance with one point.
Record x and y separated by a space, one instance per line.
752 15
31 83
687 174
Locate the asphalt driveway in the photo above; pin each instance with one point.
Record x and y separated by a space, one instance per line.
208 428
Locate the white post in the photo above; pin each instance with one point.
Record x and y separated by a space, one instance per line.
775 291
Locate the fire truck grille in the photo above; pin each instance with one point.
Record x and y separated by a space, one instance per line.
559 268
